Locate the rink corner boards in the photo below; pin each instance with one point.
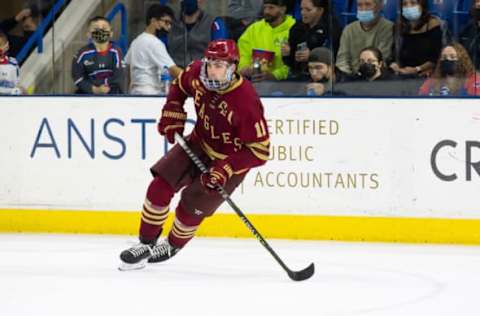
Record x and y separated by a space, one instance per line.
305 227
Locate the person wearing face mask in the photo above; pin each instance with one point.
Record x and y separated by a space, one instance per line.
318 27
148 55
470 35
190 34
9 70
420 37
372 66
98 67
454 74
371 29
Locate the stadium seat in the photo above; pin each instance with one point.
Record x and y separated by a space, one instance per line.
348 12
296 10
461 15
390 8
443 9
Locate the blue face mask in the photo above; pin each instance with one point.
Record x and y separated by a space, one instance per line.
366 16
412 13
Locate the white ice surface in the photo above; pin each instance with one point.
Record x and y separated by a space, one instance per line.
69 275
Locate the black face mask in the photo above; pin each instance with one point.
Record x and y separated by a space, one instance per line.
101 36
367 70
448 67
161 33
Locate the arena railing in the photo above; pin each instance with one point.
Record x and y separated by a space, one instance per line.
123 39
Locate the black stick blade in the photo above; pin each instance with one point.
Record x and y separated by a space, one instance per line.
302 274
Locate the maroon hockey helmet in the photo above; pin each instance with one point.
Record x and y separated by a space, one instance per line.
223 49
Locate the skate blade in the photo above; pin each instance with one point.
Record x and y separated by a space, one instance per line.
132 266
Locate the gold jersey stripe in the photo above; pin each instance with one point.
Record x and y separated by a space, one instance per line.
261 146
210 152
179 79
259 155
156 210
175 115
184 227
228 169
152 222
182 235
154 217
169 127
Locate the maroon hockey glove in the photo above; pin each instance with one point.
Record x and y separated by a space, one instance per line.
217 175
172 120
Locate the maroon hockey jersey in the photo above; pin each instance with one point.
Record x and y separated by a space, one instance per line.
230 124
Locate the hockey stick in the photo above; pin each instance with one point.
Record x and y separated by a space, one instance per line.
294 275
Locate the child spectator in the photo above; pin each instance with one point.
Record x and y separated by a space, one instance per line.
98 67
9 70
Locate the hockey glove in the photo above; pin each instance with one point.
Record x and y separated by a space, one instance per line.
217 175
172 120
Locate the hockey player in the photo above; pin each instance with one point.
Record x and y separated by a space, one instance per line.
9 70
230 136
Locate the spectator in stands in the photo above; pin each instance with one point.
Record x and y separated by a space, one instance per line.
98 67
371 29
317 28
420 38
190 34
41 6
264 39
241 13
454 74
323 73
470 35
147 56
28 19
372 66
247 11
9 70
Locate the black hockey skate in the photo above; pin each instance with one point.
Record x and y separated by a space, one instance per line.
162 252
135 258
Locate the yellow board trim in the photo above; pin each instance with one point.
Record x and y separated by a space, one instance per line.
342 228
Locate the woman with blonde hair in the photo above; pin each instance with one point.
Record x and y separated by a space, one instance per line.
454 74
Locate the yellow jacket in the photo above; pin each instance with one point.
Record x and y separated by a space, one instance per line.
260 35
